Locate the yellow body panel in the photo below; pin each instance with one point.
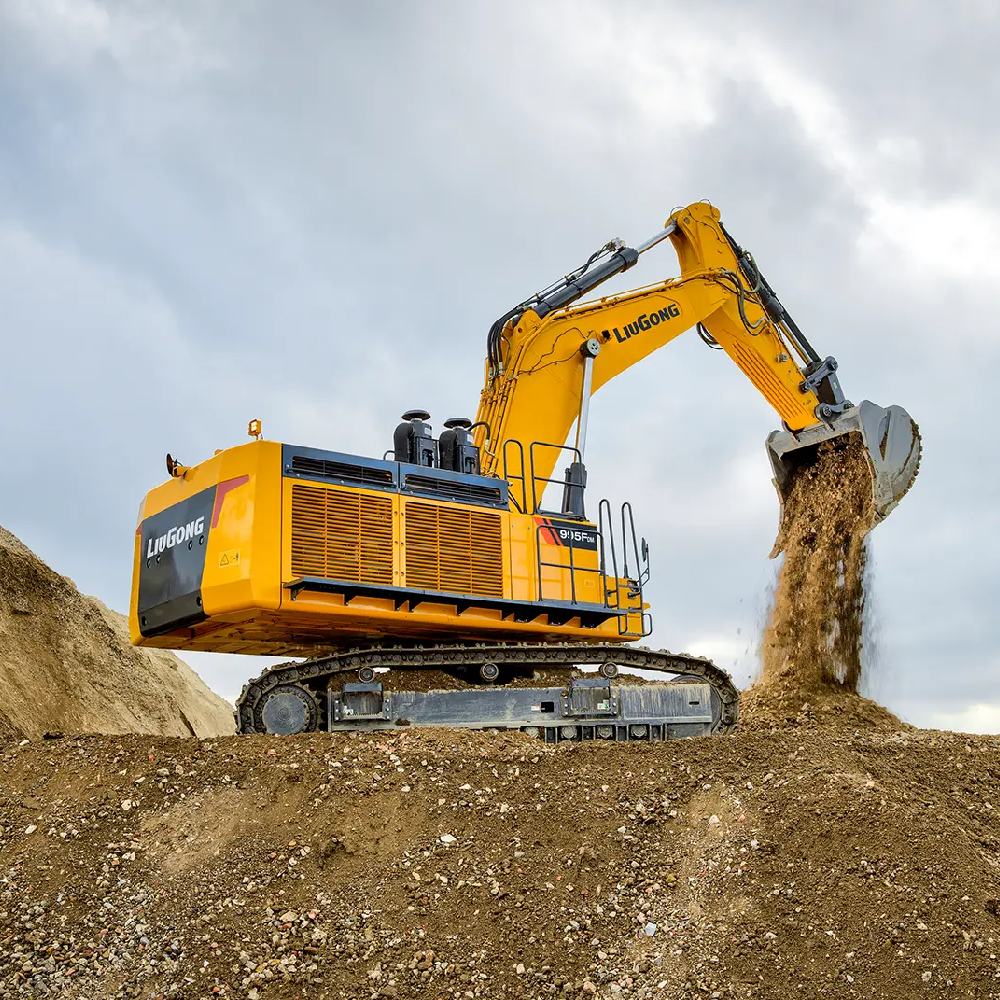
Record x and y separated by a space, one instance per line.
523 558
241 561
439 564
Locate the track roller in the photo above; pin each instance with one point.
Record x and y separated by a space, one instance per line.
289 709
489 672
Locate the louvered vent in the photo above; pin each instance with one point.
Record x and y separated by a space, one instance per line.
453 551
773 390
457 489
339 535
347 472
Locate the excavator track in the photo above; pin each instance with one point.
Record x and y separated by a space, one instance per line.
302 697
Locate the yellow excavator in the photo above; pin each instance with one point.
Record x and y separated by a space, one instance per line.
458 580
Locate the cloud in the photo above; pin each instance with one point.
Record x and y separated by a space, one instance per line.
972 719
311 214
143 40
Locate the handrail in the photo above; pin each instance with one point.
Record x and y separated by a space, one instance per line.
605 503
642 573
607 543
523 506
536 509
572 567
607 551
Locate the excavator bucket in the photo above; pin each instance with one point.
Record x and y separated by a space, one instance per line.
892 443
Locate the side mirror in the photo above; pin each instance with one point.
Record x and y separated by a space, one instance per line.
644 548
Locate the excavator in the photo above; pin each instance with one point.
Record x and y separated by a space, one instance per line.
458 580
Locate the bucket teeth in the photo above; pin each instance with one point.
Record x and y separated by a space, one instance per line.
891 439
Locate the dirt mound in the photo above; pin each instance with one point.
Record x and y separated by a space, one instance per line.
778 705
794 860
66 664
814 636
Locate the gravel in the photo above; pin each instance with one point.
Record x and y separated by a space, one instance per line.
833 853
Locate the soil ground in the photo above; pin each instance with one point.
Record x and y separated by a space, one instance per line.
826 852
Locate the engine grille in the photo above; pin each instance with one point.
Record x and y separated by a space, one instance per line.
347 472
454 551
459 490
341 535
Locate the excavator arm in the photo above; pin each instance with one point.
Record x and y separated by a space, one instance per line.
547 356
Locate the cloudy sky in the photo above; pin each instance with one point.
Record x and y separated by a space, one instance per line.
308 212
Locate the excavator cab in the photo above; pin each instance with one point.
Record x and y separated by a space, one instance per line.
891 441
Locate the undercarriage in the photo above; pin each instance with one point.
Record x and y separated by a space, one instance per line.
545 691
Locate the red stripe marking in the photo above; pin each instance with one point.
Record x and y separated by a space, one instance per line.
220 494
547 533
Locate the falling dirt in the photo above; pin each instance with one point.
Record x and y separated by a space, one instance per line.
813 641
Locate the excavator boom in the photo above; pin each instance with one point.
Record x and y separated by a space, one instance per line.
547 356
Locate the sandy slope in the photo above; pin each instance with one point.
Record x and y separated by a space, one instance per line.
66 664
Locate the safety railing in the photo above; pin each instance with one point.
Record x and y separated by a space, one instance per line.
528 480
571 565
621 588
633 584
515 477
535 478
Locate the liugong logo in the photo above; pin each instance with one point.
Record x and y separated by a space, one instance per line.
644 322
175 536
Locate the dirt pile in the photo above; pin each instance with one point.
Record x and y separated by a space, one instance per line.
66 664
813 640
841 860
